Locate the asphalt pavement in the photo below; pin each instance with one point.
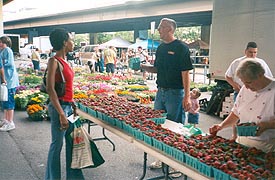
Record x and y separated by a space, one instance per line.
23 151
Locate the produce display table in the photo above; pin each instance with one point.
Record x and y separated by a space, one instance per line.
192 173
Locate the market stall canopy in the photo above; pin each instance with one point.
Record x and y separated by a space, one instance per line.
198 44
117 42
145 44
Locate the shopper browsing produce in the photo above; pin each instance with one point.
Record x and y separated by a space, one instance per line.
255 103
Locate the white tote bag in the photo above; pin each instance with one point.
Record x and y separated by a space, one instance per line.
3 92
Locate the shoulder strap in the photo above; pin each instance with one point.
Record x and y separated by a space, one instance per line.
59 68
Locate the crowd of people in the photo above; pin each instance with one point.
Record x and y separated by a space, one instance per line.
111 60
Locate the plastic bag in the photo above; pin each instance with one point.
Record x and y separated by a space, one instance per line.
190 130
3 92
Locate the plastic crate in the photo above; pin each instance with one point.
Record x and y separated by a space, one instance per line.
205 169
247 130
157 144
110 120
82 108
129 129
138 134
104 117
134 63
119 124
191 161
168 149
91 112
77 104
99 115
220 175
160 120
178 155
147 139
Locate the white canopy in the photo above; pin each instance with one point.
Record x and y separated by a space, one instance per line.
116 42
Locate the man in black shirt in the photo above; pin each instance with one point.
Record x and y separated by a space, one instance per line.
172 65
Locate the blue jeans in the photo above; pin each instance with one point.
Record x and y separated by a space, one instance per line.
101 66
10 104
170 100
53 169
193 118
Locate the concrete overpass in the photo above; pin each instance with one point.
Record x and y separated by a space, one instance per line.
233 24
124 17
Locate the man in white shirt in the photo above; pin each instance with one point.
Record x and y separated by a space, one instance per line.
230 75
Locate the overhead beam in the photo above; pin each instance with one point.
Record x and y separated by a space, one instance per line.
120 18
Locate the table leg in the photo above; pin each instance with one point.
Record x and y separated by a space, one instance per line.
113 144
103 133
144 165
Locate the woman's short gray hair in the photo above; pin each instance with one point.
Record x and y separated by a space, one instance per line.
250 68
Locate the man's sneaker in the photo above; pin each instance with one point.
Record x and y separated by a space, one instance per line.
156 165
174 173
7 127
2 122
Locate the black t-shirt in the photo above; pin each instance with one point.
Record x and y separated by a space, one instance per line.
171 60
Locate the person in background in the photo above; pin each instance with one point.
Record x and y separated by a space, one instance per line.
97 59
231 77
52 53
35 57
143 56
70 56
60 107
172 65
11 79
110 59
193 113
101 61
255 103
129 55
123 60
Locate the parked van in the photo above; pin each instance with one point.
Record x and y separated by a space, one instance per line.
85 53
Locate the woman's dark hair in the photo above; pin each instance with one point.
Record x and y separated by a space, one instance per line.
6 40
58 37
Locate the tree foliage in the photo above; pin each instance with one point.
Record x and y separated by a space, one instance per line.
186 34
104 37
81 38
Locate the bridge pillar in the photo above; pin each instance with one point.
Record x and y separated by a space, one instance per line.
32 34
93 38
205 33
1 18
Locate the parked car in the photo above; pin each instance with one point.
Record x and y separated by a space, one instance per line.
85 53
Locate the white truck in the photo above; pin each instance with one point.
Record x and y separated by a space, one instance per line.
26 51
43 44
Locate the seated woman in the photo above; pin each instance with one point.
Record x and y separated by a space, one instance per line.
255 103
